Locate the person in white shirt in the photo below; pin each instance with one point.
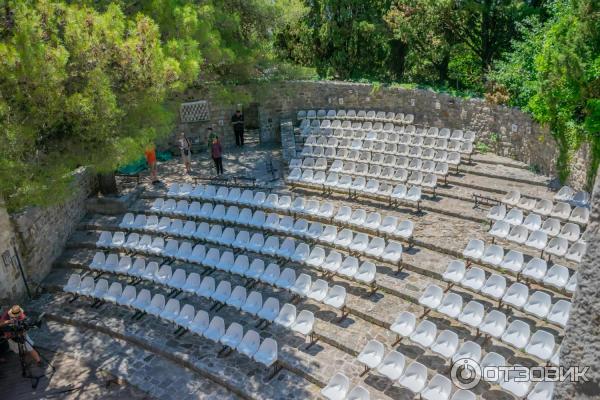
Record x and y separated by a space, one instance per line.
186 151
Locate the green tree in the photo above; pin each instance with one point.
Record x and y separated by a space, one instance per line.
348 38
78 87
555 74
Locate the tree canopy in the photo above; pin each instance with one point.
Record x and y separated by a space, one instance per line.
88 82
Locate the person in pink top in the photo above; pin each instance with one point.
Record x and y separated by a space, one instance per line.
216 151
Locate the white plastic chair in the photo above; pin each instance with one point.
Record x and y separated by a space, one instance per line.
512 261
516 295
451 305
371 355
494 286
286 316
541 391
541 345
559 314
494 324
497 213
337 388
535 269
518 234
517 334
474 279
215 329
538 304
269 310
156 306
171 310
232 336
493 255
474 249
445 344
392 366
414 377
510 383
533 222
431 297
472 314
438 388
424 333
455 271
576 251
514 217
557 246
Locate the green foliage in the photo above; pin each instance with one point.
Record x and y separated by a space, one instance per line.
482 147
553 73
87 82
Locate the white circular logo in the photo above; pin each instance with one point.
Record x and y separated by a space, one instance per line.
466 373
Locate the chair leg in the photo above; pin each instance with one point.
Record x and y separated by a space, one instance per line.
73 298
397 341
344 314
276 368
313 339
364 371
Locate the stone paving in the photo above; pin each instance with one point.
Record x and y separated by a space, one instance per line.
143 350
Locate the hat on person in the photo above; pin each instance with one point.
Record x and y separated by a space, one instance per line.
15 311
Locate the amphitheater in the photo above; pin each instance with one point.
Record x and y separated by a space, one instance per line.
383 251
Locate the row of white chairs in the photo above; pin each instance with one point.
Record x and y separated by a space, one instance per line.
380 131
249 344
543 208
398 144
414 377
356 115
538 304
397 172
208 288
405 150
533 222
401 156
538 239
376 247
573 197
213 258
345 183
192 283
338 387
493 323
361 184
345 215
446 344
536 269
390 226
494 254
274 201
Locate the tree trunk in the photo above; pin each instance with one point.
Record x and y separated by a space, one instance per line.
108 184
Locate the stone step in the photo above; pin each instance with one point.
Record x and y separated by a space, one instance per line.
146 370
240 375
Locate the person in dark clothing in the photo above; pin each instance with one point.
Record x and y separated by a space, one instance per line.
237 120
216 152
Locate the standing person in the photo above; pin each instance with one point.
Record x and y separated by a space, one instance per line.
216 151
10 317
237 120
150 154
186 151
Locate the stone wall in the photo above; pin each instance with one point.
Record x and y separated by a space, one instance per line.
581 344
41 233
11 284
503 130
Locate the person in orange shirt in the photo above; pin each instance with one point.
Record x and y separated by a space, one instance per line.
151 160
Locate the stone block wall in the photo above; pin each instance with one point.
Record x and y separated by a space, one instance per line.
42 232
581 344
503 130
11 284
